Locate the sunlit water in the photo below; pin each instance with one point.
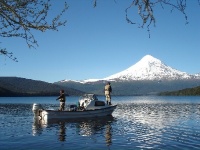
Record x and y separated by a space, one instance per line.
137 123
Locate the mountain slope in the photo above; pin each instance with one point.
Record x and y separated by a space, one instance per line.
139 87
149 68
15 86
148 76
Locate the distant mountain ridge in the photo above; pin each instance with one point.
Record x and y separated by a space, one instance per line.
16 86
148 76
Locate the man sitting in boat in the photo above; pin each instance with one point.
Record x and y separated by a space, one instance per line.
61 98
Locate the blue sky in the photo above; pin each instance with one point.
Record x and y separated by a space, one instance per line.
98 42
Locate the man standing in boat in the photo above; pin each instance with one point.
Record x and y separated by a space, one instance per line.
61 98
108 90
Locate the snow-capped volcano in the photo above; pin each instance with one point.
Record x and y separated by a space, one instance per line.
149 68
147 76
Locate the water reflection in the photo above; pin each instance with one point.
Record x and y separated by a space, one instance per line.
148 125
136 125
156 115
36 127
108 134
83 127
62 129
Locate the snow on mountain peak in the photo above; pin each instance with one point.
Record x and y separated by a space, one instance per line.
149 58
149 68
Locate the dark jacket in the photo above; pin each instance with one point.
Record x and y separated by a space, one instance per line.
61 98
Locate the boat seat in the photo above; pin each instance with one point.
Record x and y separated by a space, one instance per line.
99 103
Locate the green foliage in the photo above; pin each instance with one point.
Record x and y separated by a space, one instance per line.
185 92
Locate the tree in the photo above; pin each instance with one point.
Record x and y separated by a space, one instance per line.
145 9
19 17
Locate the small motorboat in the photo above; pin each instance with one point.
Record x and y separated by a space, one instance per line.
88 107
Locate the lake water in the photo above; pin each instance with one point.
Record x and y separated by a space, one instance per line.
151 122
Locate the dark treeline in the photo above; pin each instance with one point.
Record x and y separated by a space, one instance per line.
185 92
14 86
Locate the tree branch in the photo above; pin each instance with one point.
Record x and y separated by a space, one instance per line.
19 17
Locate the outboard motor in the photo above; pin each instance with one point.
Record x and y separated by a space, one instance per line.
36 108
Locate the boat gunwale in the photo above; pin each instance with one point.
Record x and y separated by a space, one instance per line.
48 110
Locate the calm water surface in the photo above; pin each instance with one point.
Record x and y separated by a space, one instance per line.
137 123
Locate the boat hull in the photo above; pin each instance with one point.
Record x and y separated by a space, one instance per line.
55 114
